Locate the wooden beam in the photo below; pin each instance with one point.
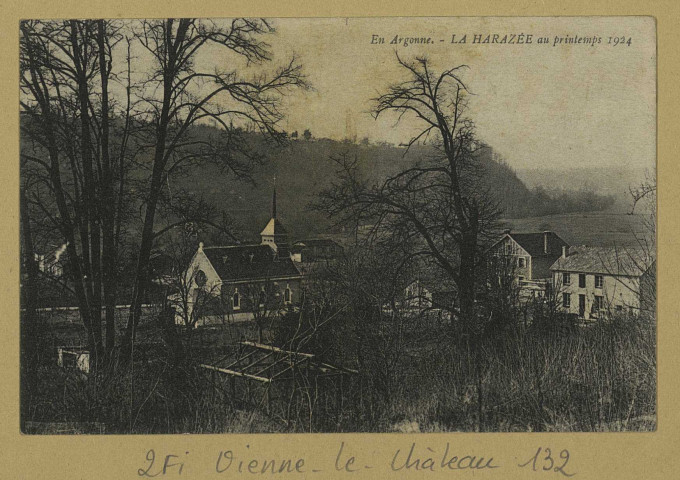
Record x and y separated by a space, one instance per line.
258 362
237 361
275 349
290 367
236 374
340 369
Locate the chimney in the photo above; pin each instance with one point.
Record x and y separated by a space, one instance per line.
545 241
506 231
565 251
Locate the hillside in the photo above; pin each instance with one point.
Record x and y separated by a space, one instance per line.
303 168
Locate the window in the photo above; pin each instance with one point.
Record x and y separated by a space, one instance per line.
598 281
287 294
263 297
581 280
521 279
599 303
566 279
200 278
521 262
566 300
236 300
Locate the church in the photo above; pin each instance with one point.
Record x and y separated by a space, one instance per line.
240 282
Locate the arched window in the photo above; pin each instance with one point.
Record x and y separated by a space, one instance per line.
200 278
287 294
263 297
236 300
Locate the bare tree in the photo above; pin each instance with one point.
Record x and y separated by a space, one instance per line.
500 295
438 209
178 95
77 136
67 144
644 192
189 300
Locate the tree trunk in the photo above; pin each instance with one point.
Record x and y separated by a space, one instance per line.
29 319
467 283
160 159
109 255
94 284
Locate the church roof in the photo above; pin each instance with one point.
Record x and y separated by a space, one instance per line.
274 227
317 242
249 262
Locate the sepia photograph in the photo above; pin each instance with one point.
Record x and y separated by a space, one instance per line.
338 225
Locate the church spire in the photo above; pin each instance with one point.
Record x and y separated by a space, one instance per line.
274 199
274 234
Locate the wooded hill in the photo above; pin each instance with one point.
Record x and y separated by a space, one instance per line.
303 168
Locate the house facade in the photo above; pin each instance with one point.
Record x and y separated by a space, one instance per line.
593 282
528 257
427 294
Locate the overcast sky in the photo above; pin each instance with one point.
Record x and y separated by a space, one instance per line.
538 105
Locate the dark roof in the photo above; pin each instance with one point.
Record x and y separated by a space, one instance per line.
533 243
249 262
317 242
631 262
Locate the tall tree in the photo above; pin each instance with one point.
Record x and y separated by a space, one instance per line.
67 144
439 209
179 95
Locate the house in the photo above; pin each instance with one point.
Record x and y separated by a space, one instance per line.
242 282
530 257
427 293
53 262
594 281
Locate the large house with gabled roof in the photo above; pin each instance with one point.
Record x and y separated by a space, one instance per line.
530 255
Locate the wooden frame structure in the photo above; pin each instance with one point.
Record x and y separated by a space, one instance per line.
271 378
266 364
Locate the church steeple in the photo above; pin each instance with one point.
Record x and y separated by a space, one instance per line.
274 234
274 199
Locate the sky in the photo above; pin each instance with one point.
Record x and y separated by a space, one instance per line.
538 105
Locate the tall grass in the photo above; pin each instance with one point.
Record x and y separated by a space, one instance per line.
600 377
596 378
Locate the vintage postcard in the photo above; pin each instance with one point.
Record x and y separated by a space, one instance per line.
294 226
